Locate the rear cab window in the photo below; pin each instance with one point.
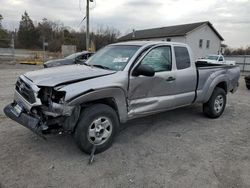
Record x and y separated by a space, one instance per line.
182 57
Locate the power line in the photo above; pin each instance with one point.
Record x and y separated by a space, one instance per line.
82 20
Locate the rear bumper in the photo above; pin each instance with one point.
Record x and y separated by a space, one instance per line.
24 119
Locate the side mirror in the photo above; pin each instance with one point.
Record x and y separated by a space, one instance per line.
144 70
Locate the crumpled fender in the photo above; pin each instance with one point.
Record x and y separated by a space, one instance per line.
116 93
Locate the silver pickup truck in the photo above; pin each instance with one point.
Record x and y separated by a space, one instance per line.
120 82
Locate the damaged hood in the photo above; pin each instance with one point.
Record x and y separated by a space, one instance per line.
55 76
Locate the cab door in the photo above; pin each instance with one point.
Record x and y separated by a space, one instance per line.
151 94
186 76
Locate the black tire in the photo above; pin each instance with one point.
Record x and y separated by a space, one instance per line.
248 86
86 122
212 110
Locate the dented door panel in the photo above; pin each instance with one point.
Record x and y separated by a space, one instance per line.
151 93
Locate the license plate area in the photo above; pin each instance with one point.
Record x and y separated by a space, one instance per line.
17 110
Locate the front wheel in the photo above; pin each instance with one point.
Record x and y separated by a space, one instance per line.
97 126
216 104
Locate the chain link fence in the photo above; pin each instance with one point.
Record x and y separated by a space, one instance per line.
242 60
11 55
7 51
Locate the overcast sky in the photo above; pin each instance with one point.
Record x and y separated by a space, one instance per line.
230 17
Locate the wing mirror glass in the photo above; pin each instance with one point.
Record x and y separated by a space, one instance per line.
144 70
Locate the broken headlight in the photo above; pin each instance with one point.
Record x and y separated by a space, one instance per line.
49 95
58 96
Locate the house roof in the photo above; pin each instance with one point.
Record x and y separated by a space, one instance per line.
170 31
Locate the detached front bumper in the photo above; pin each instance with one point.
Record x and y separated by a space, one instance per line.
24 119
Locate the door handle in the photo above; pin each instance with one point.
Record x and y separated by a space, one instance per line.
170 78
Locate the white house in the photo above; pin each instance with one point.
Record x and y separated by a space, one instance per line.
202 37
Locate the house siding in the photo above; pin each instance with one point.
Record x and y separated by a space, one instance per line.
192 38
205 33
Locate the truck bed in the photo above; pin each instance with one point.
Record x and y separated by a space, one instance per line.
204 64
208 73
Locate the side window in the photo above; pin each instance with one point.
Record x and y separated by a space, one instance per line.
221 59
182 57
200 43
159 59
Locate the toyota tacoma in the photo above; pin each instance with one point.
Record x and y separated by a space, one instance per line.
120 82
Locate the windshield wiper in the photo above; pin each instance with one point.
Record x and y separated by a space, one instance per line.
101 66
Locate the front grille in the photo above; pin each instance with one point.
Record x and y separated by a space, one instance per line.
25 90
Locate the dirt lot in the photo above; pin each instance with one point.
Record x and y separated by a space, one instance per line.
179 148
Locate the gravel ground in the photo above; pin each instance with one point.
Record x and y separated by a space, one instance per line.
179 148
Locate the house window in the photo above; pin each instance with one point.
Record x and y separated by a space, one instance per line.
168 39
208 44
200 43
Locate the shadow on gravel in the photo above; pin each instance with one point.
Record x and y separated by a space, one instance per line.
64 144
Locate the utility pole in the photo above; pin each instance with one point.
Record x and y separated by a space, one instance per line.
87 24
13 47
43 49
45 44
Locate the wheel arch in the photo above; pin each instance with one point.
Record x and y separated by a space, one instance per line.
110 101
113 97
222 85
220 82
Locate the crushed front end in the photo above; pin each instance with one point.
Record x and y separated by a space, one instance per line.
41 109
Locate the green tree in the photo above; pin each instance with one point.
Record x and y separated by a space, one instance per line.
45 30
53 33
1 18
28 35
68 38
4 35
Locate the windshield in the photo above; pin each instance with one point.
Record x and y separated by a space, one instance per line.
113 57
73 56
212 57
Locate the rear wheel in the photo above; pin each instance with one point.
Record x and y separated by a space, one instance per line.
247 81
97 126
216 104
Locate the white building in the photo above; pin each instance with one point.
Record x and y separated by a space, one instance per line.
202 37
